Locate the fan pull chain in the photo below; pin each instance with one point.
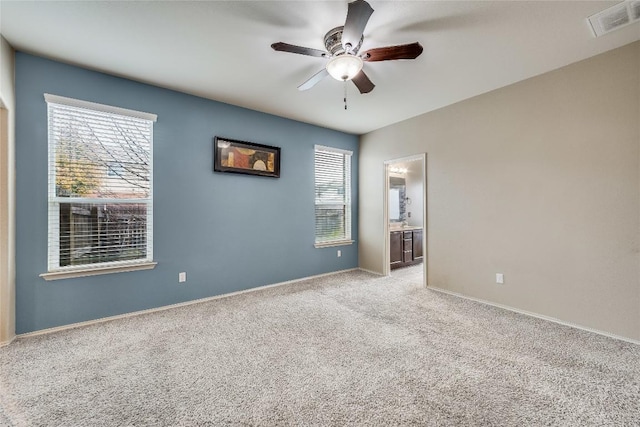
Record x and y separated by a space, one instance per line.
345 94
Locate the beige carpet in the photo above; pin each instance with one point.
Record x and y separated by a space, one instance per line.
349 349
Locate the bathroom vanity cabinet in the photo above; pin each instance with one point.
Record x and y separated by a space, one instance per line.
405 247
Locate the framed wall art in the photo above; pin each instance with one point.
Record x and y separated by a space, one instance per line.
230 155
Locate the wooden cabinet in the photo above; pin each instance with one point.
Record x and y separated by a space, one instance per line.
405 248
417 245
395 242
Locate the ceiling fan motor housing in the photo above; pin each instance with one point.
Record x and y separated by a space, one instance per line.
333 42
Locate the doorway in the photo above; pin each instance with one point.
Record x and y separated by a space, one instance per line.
405 216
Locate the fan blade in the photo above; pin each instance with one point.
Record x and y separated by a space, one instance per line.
358 14
314 79
405 51
363 83
286 47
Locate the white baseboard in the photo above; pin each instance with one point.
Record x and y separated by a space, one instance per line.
371 272
536 315
168 307
5 343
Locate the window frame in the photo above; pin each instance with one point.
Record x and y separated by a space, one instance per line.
54 202
347 202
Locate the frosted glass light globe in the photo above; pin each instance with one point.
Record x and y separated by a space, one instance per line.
344 67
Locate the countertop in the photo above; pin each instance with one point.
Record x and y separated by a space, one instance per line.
405 228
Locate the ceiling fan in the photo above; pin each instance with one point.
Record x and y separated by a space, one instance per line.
343 44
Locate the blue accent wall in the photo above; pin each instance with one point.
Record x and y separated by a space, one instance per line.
229 232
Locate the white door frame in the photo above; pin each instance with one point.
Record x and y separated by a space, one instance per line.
7 227
386 268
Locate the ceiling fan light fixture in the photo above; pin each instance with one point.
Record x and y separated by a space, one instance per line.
344 67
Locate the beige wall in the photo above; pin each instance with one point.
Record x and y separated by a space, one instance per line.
540 181
7 180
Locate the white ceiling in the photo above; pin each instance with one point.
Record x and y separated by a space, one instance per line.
221 50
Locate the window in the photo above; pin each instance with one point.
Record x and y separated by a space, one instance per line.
333 196
100 186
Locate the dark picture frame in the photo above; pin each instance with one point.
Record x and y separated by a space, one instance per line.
231 155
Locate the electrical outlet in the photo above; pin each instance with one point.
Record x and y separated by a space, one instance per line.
500 278
182 277
339 253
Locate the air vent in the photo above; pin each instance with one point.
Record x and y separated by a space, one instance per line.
615 17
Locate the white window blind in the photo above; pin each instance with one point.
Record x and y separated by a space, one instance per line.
333 195
100 185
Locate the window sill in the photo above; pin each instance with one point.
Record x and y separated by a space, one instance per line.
69 274
334 243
